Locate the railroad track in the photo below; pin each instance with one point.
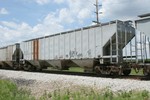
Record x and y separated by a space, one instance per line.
131 77
134 77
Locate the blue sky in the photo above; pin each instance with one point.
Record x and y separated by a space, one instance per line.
25 19
34 11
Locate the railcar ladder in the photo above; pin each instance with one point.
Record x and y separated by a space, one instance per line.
113 51
133 50
139 53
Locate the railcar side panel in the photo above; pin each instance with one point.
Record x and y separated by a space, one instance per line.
28 50
72 52
46 48
107 32
51 39
98 44
85 42
62 46
3 54
143 25
9 52
56 47
92 43
67 46
41 49
79 44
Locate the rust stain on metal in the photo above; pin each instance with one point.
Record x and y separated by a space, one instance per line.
36 49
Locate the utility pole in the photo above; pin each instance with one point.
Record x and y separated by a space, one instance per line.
97 13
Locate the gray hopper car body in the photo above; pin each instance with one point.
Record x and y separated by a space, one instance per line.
85 47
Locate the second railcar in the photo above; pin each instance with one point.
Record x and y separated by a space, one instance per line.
10 56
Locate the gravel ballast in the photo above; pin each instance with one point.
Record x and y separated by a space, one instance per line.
40 82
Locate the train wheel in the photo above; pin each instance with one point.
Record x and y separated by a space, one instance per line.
15 67
145 72
28 67
126 72
97 71
38 69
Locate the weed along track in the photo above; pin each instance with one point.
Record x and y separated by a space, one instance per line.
75 93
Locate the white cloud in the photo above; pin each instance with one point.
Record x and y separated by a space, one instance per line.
12 32
123 9
84 13
11 25
59 1
49 25
65 16
74 11
42 2
80 10
3 11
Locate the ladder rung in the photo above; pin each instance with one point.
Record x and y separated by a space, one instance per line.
138 42
133 45
139 55
139 49
121 43
133 51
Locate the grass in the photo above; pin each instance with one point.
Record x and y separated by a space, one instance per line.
134 73
76 69
84 93
9 91
71 69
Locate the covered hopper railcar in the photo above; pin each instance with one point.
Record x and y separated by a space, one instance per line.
10 56
96 48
